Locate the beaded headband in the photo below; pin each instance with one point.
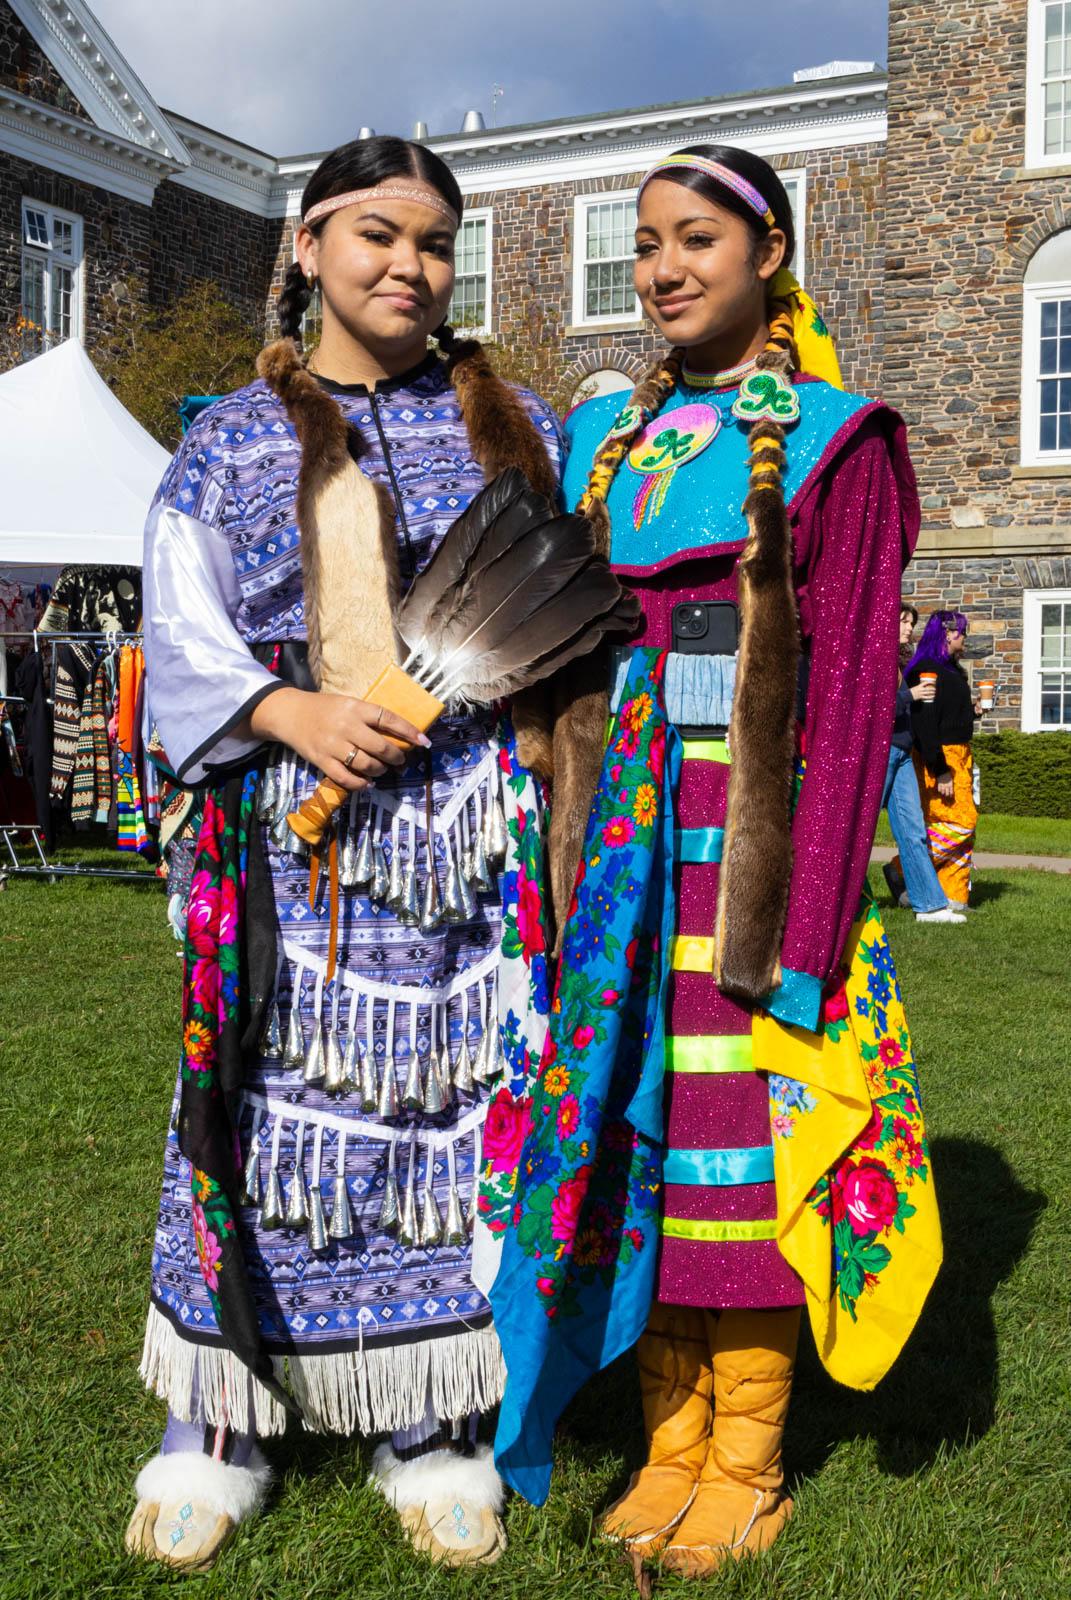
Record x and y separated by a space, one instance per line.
722 174
421 193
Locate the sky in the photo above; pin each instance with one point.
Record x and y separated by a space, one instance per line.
296 76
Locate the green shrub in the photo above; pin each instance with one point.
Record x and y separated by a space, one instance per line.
1025 774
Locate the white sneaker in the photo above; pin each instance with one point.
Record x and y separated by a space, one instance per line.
945 914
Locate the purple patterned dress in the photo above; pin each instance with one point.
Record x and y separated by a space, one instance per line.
369 1330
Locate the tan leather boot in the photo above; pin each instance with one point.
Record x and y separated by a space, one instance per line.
675 1382
740 1503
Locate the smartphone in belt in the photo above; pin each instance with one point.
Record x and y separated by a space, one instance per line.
705 628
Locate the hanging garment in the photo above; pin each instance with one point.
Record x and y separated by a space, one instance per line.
73 669
30 684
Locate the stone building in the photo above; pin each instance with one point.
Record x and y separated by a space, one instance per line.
933 233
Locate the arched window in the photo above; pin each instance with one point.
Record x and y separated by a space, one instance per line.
604 380
1045 437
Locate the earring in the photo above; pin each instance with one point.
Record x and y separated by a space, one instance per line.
310 280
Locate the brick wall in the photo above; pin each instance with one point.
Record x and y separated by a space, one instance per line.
27 69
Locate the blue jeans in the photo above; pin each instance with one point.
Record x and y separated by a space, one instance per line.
901 799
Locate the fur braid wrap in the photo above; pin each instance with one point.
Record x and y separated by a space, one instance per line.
349 552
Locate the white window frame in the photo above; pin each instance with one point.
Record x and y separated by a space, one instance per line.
582 204
486 215
47 256
1030 715
1035 153
1030 451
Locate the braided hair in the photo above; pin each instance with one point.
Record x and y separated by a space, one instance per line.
362 164
766 439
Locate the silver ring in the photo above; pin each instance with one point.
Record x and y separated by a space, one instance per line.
350 759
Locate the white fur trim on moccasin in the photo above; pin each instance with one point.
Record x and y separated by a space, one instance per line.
435 1476
234 1492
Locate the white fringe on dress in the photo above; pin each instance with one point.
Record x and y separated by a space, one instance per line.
356 1391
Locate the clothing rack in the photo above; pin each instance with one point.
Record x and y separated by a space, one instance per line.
39 866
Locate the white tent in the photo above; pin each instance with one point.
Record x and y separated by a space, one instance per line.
78 472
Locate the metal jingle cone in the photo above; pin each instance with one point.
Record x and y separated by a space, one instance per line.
446 1079
473 1211
495 838
387 1103
431 912
294 1054
483 1066
434 1100
390 1212
347 864
464 1082
453 899
267 795
271 1212
334 1067
479 872
284 802
313 1070
365 1066
341 1224
271 1035
468 899
297 1201
317 1231
431 1222
467 858
454 1230
380 876
363 865
413 1094
280 833
395 882
250 1191
408 908
407 1227
351 1064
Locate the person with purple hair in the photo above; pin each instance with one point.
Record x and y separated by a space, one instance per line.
911 876
943 731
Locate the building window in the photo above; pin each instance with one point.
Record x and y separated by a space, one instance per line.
1046 660
604 234
51 276
603 253
471 305
1046 393
1048 97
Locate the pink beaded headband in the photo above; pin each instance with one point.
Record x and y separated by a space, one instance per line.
391 189
717 170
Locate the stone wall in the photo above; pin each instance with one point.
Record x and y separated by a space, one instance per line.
116 238
195 238
963 220
26 69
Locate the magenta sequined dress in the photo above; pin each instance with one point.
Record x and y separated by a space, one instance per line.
677 534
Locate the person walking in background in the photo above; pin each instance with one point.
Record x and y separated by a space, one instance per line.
943 731
911 875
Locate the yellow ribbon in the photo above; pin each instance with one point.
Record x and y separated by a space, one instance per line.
814 344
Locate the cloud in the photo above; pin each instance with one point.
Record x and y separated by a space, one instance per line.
298 78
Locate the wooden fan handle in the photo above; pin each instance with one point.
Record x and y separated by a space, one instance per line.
395 691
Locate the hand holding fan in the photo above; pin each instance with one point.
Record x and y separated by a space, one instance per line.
514 592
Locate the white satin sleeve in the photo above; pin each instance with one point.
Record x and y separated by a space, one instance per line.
201 677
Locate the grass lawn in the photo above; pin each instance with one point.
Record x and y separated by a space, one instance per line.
1012 836
950 1481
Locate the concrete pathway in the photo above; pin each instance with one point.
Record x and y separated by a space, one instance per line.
982 860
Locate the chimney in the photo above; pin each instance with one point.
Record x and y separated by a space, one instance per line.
420 131
473 122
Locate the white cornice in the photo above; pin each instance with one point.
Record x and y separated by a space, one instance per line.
226 170
825 115
93 68
49 138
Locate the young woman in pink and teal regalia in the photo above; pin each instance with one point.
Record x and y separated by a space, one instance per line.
766 1099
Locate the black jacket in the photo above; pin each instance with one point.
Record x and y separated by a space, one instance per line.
948 720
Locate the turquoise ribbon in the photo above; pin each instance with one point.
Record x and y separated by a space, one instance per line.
700 846
717 1168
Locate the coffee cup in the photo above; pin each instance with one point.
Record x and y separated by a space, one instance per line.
985 694
927 677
